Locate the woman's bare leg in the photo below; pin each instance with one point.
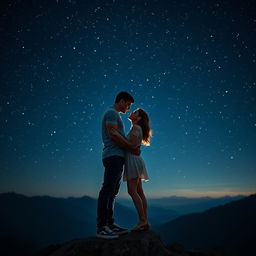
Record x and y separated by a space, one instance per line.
132 191
143 198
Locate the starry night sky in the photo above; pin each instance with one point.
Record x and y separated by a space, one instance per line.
189 64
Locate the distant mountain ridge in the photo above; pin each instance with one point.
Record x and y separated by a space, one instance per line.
166 209
34 222
30 223
185 205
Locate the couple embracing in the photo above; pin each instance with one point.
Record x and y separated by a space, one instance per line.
122 151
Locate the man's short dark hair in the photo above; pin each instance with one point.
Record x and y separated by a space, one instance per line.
125 96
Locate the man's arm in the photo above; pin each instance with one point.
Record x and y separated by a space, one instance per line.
130 146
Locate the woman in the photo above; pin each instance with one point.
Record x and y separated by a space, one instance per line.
135 170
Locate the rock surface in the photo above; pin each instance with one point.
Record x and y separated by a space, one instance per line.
133 244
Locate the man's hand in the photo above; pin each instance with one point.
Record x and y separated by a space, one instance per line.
122 141
136 151
113 132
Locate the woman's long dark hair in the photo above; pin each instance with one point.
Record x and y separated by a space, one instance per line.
144 124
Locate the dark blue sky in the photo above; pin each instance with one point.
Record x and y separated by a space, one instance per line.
189 64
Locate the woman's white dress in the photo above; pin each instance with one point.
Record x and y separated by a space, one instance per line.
134 165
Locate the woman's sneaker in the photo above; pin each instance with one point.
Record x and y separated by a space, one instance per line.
106 233
118 230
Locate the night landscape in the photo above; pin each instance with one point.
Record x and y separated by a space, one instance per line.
190 64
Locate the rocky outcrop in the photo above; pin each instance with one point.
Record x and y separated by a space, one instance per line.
133 244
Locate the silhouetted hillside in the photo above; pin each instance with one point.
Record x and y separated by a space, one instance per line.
35 222
159 215
232 226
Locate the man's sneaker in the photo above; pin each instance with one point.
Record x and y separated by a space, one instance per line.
106 233
118 230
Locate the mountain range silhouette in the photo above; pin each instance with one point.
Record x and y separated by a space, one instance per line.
31 223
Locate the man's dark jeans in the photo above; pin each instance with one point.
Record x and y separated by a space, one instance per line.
110 187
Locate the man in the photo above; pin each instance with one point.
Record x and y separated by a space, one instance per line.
113 161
